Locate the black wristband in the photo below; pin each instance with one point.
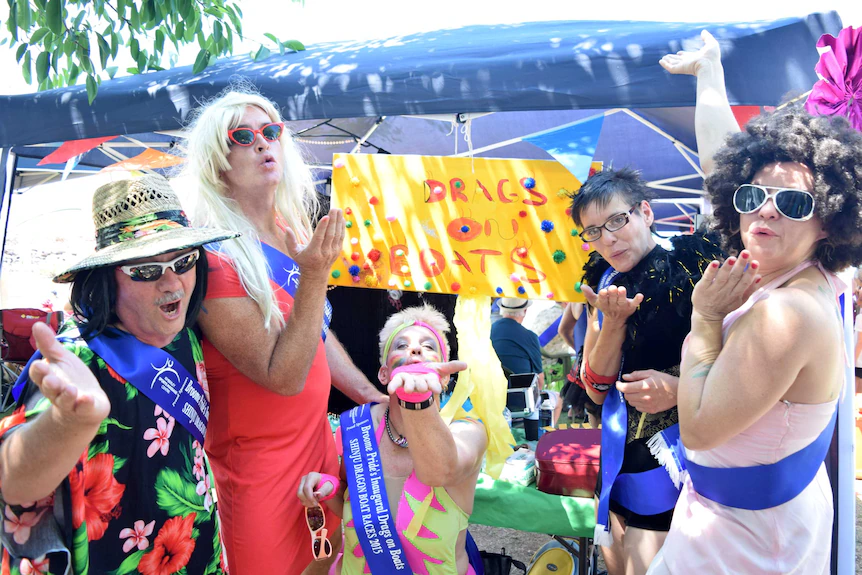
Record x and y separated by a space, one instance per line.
409 405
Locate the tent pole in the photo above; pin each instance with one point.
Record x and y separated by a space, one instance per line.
367 134
534 134
7 194
4 159
655 186
655 128
675 179
683 201
682 150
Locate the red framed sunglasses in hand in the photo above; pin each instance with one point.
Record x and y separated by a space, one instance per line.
321 548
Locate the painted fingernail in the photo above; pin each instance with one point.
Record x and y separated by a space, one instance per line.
754 266
713 265
757 281
744 255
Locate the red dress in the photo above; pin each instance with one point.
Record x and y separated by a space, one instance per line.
260 444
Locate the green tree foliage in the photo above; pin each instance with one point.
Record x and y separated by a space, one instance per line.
59 40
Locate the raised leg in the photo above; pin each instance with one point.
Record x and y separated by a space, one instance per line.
713 118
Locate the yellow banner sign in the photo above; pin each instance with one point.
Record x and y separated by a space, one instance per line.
458 225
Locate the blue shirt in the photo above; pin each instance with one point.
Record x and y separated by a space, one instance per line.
517 347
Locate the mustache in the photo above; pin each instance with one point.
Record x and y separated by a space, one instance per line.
171 297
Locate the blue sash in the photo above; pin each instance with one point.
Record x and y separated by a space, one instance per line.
756 487
646 493
607 279
285 272
763 486
614 427
154 372
372 519
159 376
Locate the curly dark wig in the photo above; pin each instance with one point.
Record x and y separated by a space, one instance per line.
828 145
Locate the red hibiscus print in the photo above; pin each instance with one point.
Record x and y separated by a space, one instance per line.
115 375
95 495
172 549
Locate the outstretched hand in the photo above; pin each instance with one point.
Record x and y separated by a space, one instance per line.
422 382
66 382
690 62
317 256
725 287
613 303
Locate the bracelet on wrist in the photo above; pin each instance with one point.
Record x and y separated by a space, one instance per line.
415 406
599 383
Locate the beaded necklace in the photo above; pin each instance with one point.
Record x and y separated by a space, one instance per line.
400 441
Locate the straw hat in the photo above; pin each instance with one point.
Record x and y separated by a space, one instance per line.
140 218
513 303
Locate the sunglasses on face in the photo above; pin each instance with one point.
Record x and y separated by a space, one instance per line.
793 204
152 271
321 548
246 136
612 224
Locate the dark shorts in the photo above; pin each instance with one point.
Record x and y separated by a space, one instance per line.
859 372
636 459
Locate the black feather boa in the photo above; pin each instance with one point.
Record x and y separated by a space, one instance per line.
655 332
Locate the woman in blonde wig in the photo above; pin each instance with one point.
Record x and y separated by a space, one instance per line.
269 357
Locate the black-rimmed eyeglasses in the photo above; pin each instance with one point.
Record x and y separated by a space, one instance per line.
612 224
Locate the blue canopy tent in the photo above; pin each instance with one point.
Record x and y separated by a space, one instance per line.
428 93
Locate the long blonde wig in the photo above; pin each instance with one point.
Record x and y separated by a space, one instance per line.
295 197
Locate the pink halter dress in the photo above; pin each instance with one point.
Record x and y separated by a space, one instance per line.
793 538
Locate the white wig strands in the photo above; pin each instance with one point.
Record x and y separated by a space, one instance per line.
295 197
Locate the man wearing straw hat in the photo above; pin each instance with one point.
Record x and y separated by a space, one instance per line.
101 463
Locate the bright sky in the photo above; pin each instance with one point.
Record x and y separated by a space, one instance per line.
314 21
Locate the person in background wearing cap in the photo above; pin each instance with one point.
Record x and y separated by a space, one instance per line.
517 347
101 462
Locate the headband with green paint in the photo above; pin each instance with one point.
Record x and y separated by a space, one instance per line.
419 324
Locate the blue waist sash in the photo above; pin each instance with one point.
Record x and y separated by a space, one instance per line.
762 486
285 272
372 519
647 493
154 372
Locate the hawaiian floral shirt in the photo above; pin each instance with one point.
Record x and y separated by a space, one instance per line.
139 501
